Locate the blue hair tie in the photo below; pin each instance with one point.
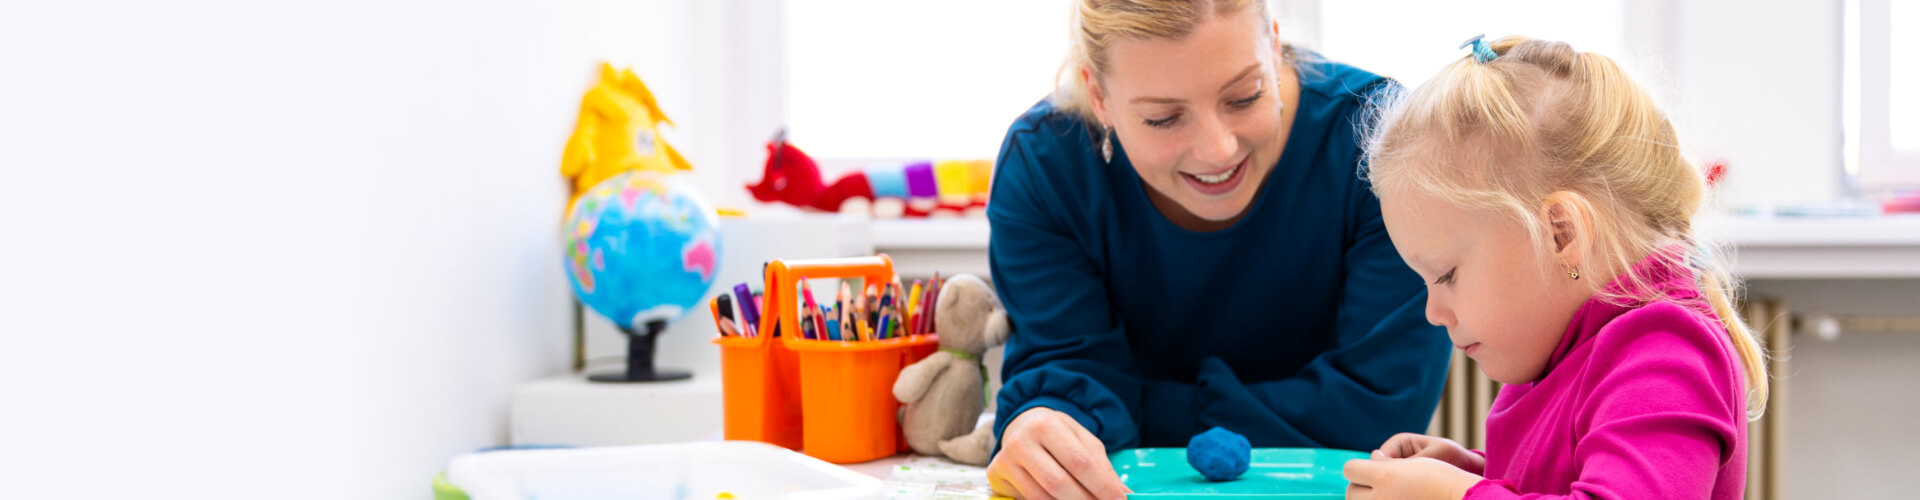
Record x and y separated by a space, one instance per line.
1481 52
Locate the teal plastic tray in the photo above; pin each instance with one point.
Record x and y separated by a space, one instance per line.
1290 473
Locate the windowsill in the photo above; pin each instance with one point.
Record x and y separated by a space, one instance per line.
1763 247
1744 231
1740 231
956 234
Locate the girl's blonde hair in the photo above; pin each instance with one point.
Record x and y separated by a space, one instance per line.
1098 23
1542 118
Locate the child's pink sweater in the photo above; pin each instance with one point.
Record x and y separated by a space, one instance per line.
1642 401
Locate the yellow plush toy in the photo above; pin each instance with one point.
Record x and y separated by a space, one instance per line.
618 131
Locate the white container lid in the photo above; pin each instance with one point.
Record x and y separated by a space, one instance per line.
699 470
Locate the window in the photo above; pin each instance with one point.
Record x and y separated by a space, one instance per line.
1881 85
880 80
1410 40
1903 72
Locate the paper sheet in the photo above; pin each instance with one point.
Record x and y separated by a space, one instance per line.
930 478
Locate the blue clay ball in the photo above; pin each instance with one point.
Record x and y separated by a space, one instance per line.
1219 454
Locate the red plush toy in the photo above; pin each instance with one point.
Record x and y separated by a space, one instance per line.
792 177
922 188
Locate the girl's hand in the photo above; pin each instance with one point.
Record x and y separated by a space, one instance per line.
1410 445
1406 478
1045 454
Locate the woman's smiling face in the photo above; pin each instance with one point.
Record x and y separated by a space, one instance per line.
1200 116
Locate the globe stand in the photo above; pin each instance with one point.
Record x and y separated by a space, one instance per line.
640 358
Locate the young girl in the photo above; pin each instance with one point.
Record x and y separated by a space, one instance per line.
1540 193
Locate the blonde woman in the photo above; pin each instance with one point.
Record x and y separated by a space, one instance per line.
1182 239
1542 194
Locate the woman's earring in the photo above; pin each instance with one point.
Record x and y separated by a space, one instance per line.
1106 145
1573 272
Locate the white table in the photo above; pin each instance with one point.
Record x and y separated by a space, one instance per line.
879 469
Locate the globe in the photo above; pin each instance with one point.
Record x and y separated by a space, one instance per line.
642 248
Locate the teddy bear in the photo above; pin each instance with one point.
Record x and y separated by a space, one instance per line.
946 392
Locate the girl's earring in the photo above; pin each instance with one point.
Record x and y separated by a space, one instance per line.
1106 145
1573 272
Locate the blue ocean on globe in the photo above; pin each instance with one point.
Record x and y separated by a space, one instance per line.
642 246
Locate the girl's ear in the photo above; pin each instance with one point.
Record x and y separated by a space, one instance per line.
1096 96
1569 219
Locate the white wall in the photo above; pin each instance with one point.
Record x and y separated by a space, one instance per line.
295 250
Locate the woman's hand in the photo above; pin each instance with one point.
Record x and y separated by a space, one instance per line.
1410 445
1406 478
1045 454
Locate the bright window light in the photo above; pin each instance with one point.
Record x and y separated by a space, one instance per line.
1410 40
1903 73
909 79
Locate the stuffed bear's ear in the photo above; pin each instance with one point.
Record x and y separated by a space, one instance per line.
998 328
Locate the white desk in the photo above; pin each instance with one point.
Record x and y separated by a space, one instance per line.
1764 247
879 469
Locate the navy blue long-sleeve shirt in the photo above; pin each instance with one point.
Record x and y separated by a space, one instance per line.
1297 326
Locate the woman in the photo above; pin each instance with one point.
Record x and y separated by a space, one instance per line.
1182 241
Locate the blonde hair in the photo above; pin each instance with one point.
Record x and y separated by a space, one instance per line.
1098 23
1542 118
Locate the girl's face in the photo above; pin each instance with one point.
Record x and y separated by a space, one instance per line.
1201 116
1498 297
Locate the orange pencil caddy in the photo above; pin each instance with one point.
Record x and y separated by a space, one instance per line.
830 399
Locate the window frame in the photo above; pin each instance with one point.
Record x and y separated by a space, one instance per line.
1872 164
